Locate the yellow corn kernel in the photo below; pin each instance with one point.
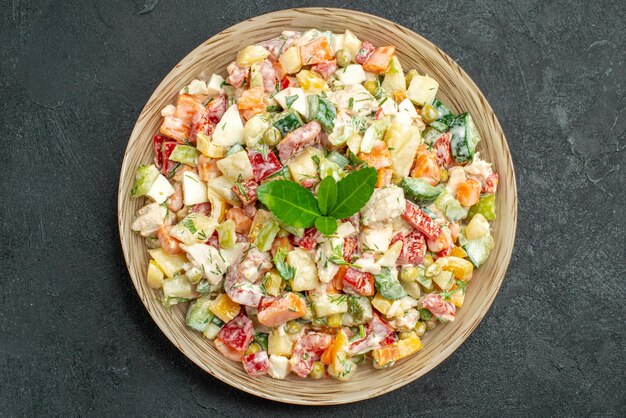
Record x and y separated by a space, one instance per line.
155 275
224 308
311 82
334 321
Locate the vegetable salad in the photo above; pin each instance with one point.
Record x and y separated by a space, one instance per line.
318 207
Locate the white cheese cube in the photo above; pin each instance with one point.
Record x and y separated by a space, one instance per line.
194 189
351 74
422 90
160 190
306 271
214 86
236 166
279 367
293 98
229 130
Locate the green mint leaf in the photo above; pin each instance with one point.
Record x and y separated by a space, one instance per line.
290 202
327 225
353 192
327 195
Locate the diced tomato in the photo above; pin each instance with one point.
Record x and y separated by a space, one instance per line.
358 282
413 247
308 240
491 184
242 222
439 307
307 350
228 352
252 101
337 281
390 339
256 364
157 143
421 221
299 139
237 333
379 157
202 208
168 165
325 68
364 53
236 74
443 150
263 167
200 124
281 242
207 168
170 244
426 166
468 192
379 60
216 108
350 245
316 51
285 308
378 333
246 191
175 202
384 177
285 82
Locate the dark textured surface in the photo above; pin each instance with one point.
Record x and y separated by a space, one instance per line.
74 337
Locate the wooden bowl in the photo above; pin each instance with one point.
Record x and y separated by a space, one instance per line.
456 90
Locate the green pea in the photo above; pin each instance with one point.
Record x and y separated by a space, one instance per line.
429 114
272 136
371 86
318 370
344 57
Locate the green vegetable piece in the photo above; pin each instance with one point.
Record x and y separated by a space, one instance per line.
329 168
144 178
185 154
327 225
199 315
431 134
290 202
388 285
289 100
464 138
287 121
419 190
353 192
439 126
323 111
266 235
425 315
486 206
478 249
234 149
450 206
261 339
338 159
227 234
327 195
286 271
203 287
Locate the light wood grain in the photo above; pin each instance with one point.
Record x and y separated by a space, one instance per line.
456 90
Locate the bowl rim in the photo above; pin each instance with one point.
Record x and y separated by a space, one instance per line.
486 303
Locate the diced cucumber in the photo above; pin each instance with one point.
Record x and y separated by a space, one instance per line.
185 154
432 133
323 111
234 149
478 249
486 206
338 159
450 206
287 121
266 236
419 190
464 138
199 315
144 177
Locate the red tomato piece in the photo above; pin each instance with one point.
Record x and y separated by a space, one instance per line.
325 68
421 221
308 240
216 108
157 143
378 333
168 165
439 307
256 364
200 123
358 282
491 184
299 139
443 150
236 74
263 166
350 245
364 53
237 333
285 82
413 247
307 350
246 191
226 351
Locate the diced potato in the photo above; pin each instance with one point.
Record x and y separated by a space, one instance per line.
311 82
255 128
251 55
160 190
351 43
306 270
457 298
279 344
279 367
394 78
337 43
422 90
261 218
229 130
273 282
236 166
170 264
326 305
477 227
155 275
303 166
444 280
194 228
222 185
224 308
214 86
297 100
290 60
194 189
176 288
218 205
351 74
208 148
402 141
389 258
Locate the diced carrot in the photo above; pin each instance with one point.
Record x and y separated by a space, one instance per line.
316 51
384 177
251 102
175 128
186 107
379 157
386 354
338 278
426 166
242 222
207 168
286 308
399 96
327 356
170 244
468 192
379 60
